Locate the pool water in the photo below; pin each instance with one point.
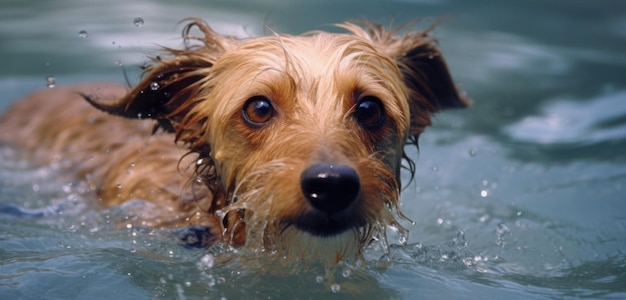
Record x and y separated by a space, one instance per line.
521 196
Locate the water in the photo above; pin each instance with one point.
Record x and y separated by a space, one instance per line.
519 197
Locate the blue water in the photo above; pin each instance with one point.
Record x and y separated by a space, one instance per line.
522 196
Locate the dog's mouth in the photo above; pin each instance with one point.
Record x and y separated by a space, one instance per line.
325 225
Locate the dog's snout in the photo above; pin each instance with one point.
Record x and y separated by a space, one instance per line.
330 188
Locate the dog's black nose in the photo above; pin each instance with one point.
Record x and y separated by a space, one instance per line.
330 188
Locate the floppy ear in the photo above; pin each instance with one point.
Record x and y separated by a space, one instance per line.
425 72
170 86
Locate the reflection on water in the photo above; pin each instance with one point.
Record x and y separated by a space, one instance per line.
563 121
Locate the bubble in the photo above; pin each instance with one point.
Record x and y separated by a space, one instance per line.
51 81
154 86
138 22
335 288
83 34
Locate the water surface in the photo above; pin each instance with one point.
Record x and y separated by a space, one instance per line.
519 197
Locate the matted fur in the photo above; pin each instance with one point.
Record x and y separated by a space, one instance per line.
205 165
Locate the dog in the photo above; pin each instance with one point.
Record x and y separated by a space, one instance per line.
291 144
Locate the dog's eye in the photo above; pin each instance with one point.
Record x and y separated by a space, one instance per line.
258 110
370 113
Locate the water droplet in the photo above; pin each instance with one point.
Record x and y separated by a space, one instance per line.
473 152
335 288
403 233
501 230
83 34
51 81
484 193
207 261
319 279
119 185
346 273
435 168
484 218
129 226
138 22
460 239
118 61
154 86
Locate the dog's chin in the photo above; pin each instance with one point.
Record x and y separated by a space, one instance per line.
329 250
320 224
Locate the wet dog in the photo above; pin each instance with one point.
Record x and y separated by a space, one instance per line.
285 143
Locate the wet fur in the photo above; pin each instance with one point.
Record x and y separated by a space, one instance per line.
177 138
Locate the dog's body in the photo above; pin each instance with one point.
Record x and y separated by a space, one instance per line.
288 143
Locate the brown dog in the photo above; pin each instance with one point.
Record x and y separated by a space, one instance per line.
285 143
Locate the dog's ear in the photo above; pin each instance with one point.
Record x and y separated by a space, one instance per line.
429 83
424 70
171 86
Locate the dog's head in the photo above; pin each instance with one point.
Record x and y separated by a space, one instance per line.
301 138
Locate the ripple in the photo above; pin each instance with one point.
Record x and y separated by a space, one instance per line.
567 121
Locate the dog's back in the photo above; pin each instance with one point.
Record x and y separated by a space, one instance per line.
121 159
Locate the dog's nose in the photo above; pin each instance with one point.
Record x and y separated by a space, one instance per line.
330 188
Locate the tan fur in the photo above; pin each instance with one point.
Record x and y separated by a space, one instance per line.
251 175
